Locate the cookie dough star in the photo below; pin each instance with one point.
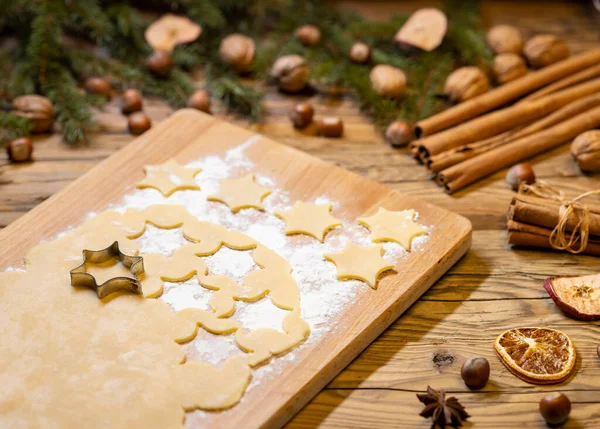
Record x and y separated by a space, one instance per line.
169 177
241 193
360 262
310 219
400 227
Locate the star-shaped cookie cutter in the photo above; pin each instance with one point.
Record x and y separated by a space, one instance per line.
80 277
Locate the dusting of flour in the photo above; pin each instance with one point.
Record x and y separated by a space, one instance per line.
323 296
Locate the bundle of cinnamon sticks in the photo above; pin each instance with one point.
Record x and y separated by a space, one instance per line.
531 221
481 136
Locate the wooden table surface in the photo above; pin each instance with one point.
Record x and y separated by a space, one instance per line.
491 289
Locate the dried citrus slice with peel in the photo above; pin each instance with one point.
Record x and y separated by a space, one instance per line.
537 355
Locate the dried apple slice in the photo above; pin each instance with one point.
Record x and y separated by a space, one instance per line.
537 355
171 30
578 296
425 29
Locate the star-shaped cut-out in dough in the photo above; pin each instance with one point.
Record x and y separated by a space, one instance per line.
169 177
310 219
360 262
241 193
399 226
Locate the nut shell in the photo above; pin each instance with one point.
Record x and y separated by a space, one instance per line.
308 35
331 126
509 67
138 123
360 53
131 101
19 150
475 372
399 133
545 49
586 151
388 81
36 108
290 73
237 51
302 115
504 39
200 100
98 86
520 173
571 295
555 408
160 63
465 83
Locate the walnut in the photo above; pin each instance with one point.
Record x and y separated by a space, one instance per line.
37 108
465 83
545 49
360 53
388 81
586 151
505 39
290 73
509 67
237 51
308 35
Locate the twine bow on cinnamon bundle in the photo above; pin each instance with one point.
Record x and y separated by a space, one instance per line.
541 216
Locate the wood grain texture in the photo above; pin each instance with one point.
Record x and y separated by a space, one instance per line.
499 286
188 135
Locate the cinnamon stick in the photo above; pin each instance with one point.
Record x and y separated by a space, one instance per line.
582 76
502 120
451 157
460 175
546 213
506 93
523 234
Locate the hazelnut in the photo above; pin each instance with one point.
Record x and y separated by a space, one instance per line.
331 126
360 53
465 83
98 86
237 51
160 63
545 49
555 408
19 150
290 73
586 151
36 108
504 39
518 174
131 101
388 81
200 100
475 372
308 35
509 67
302 115
138 123
399 133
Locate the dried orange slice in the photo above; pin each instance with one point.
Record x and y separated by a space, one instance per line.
537 355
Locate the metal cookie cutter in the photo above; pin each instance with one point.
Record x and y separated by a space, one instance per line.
79 276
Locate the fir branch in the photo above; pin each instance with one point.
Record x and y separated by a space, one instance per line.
70 104
12 126
237 97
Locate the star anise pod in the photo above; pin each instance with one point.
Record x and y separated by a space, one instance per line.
443 410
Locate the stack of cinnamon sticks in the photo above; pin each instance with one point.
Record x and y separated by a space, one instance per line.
551 106
532 219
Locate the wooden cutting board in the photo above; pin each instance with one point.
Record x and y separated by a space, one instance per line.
188 135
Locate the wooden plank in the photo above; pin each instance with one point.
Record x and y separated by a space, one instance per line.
382 409
188 135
